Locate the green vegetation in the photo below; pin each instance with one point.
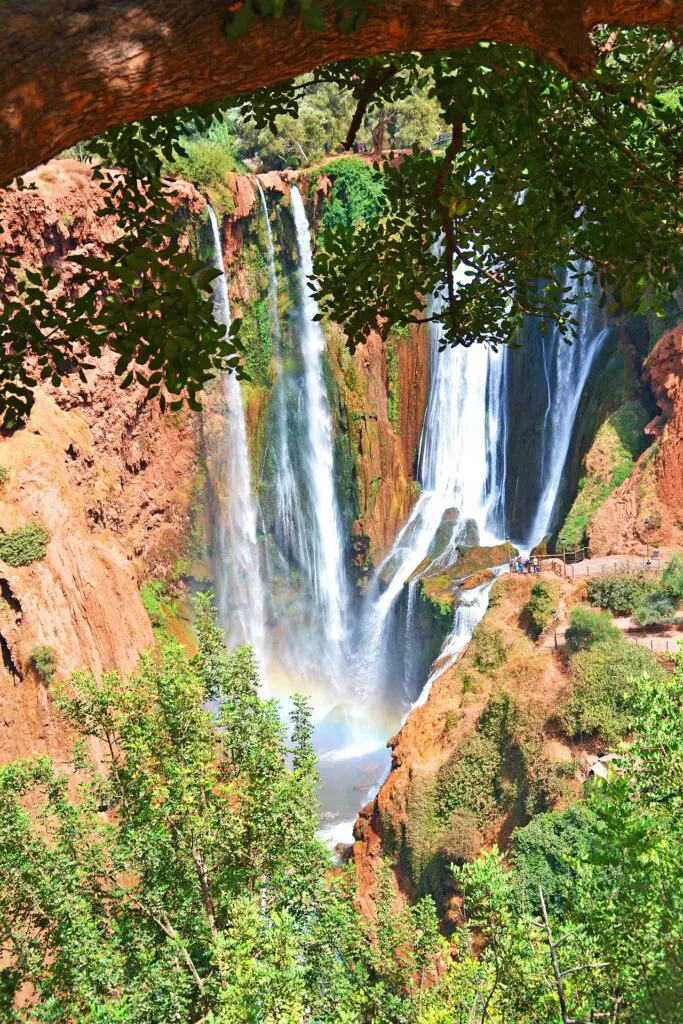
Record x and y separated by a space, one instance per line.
543 600
209 166
468 780
256 338
651 601
655 609
617 445
205 894
43 661
4 475
604 671
393 393
159 605
621 592
488 648
355 195
587 627
24 545
672 577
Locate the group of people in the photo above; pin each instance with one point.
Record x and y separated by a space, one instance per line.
526 565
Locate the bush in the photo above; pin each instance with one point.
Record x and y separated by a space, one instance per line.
621 593
209 166
657 609
461 840
151 594
672 577
602 677
539 608
24 545
588 627
488 649
467 781
43 661
4 475
546 850
355 193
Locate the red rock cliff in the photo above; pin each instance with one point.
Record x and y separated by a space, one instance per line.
109 476
648 507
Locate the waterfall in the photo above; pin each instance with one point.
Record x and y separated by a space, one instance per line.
240 594
566 369
288 522
324 545
461 469
469 613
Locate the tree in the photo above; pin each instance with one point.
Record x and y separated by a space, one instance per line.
125 63
546 186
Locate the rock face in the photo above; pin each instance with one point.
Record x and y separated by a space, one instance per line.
647 509
502 674
383 387
109 476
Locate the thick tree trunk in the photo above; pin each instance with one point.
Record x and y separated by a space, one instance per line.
69 69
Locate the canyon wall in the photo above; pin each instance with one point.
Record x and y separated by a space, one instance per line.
646 510
103 471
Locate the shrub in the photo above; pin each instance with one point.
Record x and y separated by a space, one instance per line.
588 627
602 677
488 649
43 661
467 781
355 193
620 593
539 607
24 545
4 475
152 593
672 577
545 851
656 609
461 840
209 166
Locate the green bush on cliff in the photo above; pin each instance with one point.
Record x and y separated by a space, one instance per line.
468 780
621 592
209 165
355 193
24 545
539 608
603 676
587 627
488 649
545 853
43 661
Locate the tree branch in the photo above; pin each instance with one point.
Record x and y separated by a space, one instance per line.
376 80
69 71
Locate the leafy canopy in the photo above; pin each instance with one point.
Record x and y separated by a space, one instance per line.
542 178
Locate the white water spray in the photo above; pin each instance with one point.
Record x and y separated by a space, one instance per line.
566 369
240 594
324 561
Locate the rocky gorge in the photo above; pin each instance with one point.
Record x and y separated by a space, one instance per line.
127 495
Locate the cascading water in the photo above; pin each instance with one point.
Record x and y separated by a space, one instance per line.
566 370
362 681
240 592
325 554
288 514
461 471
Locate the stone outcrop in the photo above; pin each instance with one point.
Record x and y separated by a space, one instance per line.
647 509
403 821
107 473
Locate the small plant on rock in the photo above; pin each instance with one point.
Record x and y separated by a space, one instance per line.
24 545
43 662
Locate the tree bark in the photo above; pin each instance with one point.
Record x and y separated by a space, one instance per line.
69 69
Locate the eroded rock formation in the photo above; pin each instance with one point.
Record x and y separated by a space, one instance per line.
647 509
